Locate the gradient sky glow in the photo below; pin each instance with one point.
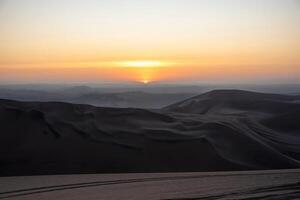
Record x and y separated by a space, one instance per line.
150 40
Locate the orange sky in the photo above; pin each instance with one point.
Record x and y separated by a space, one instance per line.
155 41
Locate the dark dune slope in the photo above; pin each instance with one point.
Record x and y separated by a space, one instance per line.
52 138
236 101
270 118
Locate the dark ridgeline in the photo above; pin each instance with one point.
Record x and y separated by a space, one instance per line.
218 130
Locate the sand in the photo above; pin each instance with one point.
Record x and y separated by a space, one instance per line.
272 184
217 131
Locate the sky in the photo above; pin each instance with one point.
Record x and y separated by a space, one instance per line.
178 41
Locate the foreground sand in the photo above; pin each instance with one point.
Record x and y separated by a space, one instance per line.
272 184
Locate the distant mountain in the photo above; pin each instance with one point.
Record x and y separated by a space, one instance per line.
219 130
130 99
92 96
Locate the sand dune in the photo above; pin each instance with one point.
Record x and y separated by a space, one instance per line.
236 102
219 130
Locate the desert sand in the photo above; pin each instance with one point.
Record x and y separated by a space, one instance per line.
271 184
216 131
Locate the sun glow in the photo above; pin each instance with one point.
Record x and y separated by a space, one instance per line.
143 63
145 81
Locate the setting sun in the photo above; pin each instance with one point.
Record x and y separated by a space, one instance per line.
145 81
158 41
143 63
